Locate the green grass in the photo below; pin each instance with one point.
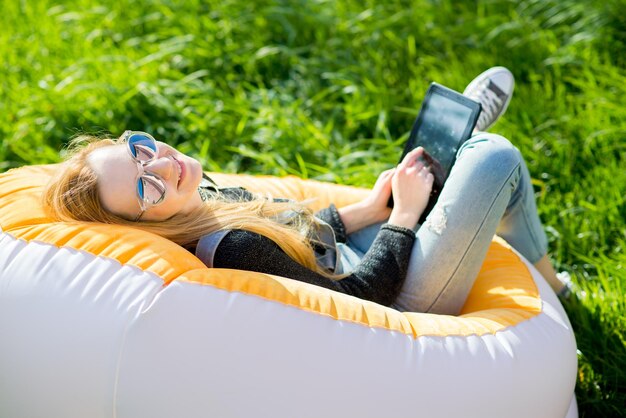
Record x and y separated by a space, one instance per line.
329 90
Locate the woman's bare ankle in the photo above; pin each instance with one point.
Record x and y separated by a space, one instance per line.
547 271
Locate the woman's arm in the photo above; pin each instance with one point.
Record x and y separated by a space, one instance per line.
412 182
361 214
372 209
348 219
378 277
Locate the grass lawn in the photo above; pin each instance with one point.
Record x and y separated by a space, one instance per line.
329 89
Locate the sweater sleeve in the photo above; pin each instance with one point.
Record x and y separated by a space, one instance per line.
378 277
331 216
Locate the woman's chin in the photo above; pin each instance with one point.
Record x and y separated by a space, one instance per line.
193 176
196 169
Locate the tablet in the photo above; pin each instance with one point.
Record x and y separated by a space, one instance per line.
445 121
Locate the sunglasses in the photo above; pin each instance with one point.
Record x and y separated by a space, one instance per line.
150 187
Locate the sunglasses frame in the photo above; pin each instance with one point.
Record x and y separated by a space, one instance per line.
144 202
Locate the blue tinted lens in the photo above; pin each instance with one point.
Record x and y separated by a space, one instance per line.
150 188
140 191
142 147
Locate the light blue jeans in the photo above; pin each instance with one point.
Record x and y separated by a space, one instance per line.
488 192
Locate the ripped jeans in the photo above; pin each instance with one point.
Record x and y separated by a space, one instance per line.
488 192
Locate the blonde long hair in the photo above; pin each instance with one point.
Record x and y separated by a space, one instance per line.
72 195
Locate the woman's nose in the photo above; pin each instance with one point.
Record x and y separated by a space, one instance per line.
162 166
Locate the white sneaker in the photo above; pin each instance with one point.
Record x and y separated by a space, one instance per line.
493 90
565 278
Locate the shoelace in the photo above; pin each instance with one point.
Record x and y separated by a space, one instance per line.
487 95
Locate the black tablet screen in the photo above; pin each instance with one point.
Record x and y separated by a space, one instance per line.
443 125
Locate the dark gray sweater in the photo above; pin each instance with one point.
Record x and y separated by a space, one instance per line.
378 277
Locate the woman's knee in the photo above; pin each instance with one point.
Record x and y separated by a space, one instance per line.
494 152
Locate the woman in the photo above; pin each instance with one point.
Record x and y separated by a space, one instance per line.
365 249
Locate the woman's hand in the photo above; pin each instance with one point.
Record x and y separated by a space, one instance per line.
377 199
411 183
372 209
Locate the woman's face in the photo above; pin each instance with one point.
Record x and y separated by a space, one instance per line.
117 174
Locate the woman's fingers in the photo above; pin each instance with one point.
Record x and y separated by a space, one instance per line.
386 176
420 173
413 156
419 169
387 173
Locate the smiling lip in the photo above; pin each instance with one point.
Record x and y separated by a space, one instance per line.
183 171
